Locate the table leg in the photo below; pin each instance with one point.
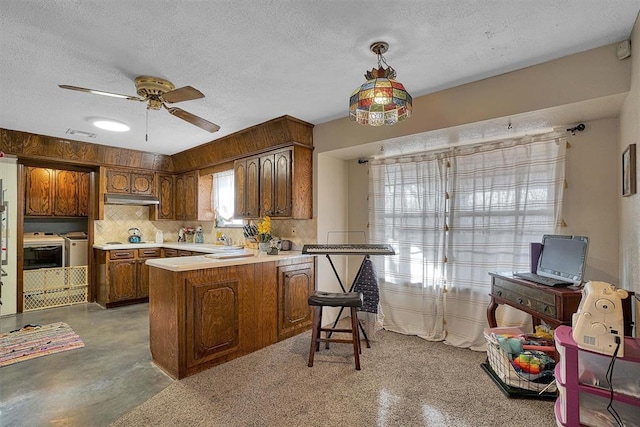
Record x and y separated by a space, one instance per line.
491 314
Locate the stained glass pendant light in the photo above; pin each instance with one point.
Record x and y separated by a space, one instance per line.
381 100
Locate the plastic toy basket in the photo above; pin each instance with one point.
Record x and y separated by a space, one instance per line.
54 287
500 363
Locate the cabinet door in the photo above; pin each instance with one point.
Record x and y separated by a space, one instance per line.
65 190
240 188
118 181
186 196
275 184
213 319
142 290
38 191
166 196
246 183
122 280
143 269
282 183
83 193
295 284
142 183
191 195
267 174
179 197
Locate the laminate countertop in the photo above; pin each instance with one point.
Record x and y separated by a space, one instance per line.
213 260
195 247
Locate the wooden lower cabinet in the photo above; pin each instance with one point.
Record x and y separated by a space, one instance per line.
123 276
121 281
202 318
295 283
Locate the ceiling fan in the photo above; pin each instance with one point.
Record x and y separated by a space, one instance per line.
157 93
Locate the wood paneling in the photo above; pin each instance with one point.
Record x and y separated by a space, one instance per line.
41 147
282 131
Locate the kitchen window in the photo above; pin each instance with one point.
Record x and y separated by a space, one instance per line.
223 192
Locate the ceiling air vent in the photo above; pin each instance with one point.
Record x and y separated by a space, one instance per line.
81 133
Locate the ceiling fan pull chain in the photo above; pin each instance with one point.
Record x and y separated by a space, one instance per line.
146 129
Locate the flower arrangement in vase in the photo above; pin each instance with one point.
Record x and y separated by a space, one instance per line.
188 233
264 233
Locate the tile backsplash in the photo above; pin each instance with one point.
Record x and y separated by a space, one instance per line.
118 219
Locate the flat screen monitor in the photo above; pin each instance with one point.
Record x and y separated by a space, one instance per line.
563 257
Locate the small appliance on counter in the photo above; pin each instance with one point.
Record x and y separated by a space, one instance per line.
135 235
76 248
285 245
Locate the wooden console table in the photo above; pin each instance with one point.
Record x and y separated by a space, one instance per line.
553 305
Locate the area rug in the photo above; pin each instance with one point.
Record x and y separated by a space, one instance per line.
35 341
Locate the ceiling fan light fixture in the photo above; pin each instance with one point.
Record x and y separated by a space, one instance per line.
110 125
381 100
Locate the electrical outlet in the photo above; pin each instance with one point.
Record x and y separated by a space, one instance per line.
293 230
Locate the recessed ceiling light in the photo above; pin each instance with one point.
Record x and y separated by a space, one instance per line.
110 125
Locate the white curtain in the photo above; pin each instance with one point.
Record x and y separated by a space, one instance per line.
453 217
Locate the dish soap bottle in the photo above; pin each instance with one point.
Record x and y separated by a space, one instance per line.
199 238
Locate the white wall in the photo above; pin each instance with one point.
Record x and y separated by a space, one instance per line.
590 199
629 207
9 176
331 205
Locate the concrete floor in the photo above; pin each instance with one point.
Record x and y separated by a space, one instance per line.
90 386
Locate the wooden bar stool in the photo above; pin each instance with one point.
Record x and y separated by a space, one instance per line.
353 300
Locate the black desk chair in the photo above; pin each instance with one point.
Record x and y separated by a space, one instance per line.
353 300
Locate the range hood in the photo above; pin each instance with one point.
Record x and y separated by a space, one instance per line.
130 199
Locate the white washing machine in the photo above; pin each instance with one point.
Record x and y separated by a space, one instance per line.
76 249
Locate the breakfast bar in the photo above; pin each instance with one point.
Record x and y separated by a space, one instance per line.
208 309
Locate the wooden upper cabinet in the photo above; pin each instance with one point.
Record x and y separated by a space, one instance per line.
65 190
38 191
84 182
165 191
55 192
142 183
277 184
128 182
118 181
247 187
186 196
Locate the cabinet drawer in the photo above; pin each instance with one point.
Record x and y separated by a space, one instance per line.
184 253
122 254
527 297
169 253
149 253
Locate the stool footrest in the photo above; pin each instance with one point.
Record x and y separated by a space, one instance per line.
335 330
338 340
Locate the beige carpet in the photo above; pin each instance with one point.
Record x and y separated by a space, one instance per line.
404 381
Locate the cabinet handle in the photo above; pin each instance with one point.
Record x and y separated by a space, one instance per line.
520 301
499 293
122 254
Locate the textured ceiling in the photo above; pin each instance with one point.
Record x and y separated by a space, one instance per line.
257 60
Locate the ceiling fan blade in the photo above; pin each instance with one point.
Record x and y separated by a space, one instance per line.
100 92
182 94
193 119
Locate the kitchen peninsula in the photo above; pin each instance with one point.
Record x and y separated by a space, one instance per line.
208 309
